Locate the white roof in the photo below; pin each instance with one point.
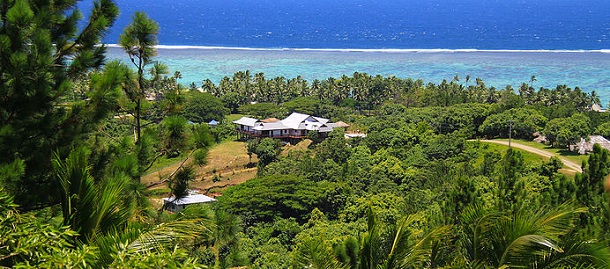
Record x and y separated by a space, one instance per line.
300 121
191 199
322 120
246 121
603 142
294 120
270 126
354 135
325 129
597 108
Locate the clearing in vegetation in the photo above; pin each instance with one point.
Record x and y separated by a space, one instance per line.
228 165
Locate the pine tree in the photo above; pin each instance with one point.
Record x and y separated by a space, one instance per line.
138 40
41 51
590 190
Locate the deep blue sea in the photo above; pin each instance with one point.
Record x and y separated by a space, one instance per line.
501 41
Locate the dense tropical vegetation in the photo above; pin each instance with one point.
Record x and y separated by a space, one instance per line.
78 133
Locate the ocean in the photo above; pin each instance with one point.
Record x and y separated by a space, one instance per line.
500 41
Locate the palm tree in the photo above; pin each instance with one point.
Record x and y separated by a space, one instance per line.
521 239
408 248
261 87
98 211
532 80
456 78
90 208
209 87
221 232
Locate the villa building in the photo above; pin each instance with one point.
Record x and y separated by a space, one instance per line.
585 146
295 126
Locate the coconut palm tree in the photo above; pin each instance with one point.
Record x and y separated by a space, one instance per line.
532 80
98 211
409 248
90 208
525 239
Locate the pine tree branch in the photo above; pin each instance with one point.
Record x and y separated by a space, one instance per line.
173 173
154 160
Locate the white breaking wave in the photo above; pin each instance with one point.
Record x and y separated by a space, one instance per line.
183 47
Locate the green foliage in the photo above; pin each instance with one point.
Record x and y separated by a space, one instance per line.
201 136
551 167
400 246
603 130
138 40
334 148
444 146
223 131
527 237
303 104
140 244
268 245
35 38
266 149
313 208
313 136
270 197
262 110
179 184
590 192
563 132
524 123
140 37
387 207
173 133
11 175
203 107
200 157
176 258
29 243
510 167
88 207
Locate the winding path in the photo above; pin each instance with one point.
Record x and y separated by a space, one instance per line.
567 163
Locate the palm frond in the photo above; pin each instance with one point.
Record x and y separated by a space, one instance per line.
558 220
168 233
421 251
577 254
370 243
139 240
526 236
315 253
400 246
477 223
523 248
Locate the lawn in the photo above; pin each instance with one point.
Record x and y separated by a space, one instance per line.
572 156
233 117
528 157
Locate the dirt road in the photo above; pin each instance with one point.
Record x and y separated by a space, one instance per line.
568 164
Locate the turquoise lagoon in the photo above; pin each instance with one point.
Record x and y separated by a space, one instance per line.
589 70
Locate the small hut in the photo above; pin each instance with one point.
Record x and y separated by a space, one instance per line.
342 124
213 123
176 205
